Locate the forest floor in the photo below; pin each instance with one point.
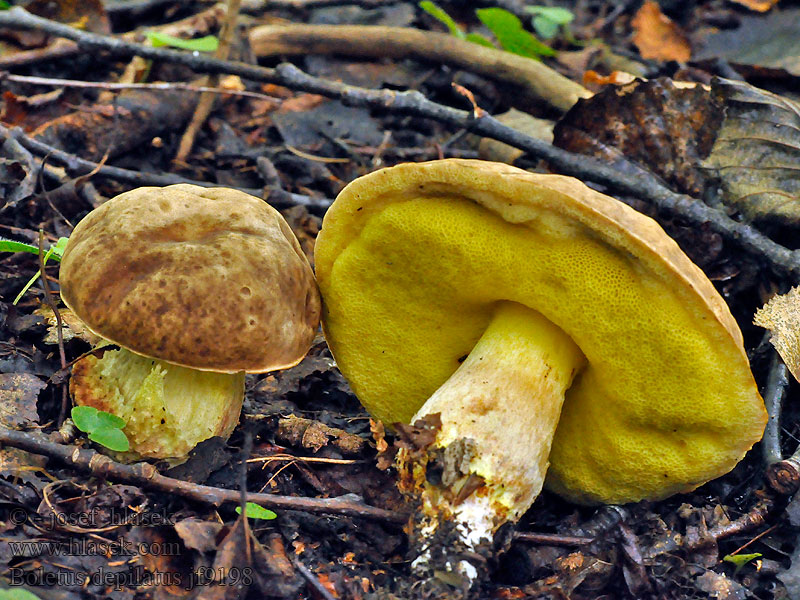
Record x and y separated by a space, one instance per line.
74 527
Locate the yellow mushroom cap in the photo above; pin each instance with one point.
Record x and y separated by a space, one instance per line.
412 261
205 278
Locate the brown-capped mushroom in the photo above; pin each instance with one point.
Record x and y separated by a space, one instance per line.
196 286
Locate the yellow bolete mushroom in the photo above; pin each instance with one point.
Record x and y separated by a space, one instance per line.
545 323
196 286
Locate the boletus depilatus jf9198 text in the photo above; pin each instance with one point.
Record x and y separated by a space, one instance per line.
556 331
197 286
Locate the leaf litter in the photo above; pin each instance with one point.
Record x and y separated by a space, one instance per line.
308 413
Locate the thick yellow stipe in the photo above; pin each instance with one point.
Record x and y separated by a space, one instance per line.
506 399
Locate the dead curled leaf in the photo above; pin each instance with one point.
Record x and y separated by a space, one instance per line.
18 394
756 153
733 138
657 36
312 435
660 125
781 315
757 5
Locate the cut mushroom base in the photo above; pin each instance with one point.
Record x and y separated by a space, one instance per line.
421 265
529 363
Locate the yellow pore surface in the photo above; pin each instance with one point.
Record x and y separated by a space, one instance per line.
412 260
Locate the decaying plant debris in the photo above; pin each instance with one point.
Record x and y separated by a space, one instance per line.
709 148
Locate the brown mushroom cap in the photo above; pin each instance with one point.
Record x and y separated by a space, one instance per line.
206 278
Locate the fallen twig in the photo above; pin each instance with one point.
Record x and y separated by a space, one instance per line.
784 475
756 517
64 48
777 382
48 298
165 86
536 80
146 475
552 539
80 166
640 185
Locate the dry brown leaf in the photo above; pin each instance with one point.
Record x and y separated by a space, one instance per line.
72 326
757 5
615 78
89 15
781 315
18 394
657 36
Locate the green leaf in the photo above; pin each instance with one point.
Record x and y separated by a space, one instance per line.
12 246
85 418
440 15
16 593
59 247
207 43
55 251
254 511
112 438
5 6
508 30
555 14
106 420
477 38
740 560
545 27
94 419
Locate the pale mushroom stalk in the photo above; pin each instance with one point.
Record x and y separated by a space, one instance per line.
168 409
503 404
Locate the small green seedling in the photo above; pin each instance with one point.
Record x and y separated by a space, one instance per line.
55 252
440 15
547 20
505 26
102 427
254 511
17 593
207 43
740 560
513 37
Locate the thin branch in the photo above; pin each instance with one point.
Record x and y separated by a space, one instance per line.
158 86
552 539
260 5
640 185
777 382
48 298
312 579
63 48
81 166
146 475
756 517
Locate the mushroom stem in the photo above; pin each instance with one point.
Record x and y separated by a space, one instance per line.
499 412
167 409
